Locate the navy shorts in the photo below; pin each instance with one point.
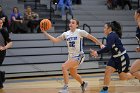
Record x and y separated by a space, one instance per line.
138 36
121 63
2 56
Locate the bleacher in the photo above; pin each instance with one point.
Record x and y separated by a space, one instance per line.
34 55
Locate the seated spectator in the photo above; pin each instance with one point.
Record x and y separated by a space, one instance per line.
112 4
31 18
4 18
124 3
63 5
17 25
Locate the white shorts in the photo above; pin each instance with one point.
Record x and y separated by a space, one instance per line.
80 58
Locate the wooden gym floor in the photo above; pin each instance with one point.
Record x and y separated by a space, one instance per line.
54 84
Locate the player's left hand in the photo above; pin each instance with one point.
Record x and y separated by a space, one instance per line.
93 53
102 46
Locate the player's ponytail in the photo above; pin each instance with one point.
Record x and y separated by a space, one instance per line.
116 27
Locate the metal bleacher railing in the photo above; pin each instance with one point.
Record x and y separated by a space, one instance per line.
84 26
67 20
51 9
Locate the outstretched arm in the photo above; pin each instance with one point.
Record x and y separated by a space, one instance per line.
53 39
89 36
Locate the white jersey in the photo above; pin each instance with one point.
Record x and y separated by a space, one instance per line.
74 41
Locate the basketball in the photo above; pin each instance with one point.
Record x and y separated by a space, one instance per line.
45 25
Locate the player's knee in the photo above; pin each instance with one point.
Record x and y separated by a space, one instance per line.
64 67
132 71
108 72
125 76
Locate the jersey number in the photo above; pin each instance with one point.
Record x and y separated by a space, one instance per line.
72 44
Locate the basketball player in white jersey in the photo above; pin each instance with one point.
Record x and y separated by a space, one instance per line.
76 56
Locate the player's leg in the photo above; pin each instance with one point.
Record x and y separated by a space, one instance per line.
110 68
107 78
125 76
75 75
73 71
135 69
108 72
67 65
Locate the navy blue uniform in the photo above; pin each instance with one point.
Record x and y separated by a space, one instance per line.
119 59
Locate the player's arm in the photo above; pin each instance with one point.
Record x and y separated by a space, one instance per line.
89 36
53 39
109 43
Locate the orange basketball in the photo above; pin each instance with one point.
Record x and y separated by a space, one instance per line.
45 24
